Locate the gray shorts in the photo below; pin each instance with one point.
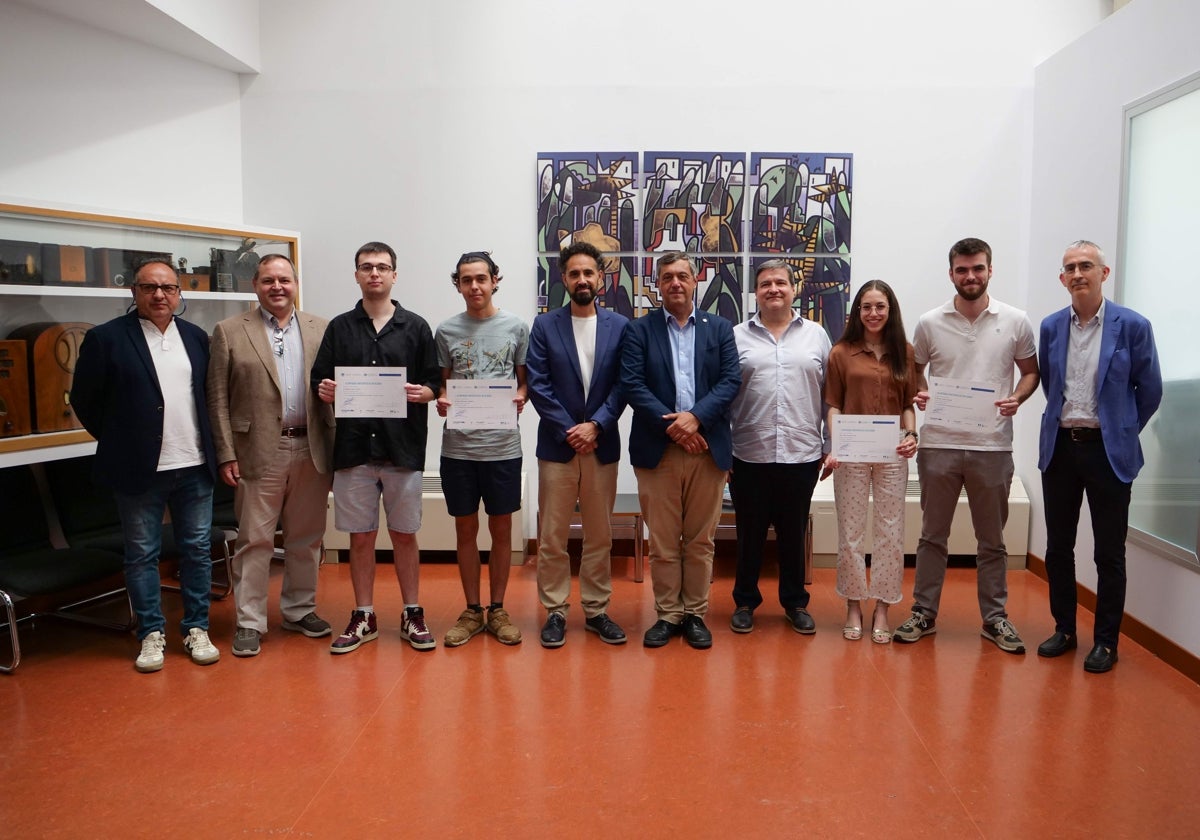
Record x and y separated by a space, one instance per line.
356 493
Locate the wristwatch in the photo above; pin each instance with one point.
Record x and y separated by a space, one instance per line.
912 433
599 428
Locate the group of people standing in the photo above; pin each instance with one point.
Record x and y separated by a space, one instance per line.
751 404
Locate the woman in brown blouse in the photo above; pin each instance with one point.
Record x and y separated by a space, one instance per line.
871 371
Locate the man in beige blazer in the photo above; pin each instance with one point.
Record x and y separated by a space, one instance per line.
274 443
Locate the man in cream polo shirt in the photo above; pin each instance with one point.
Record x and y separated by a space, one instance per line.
977 338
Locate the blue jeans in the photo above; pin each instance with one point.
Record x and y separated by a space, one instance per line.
187 493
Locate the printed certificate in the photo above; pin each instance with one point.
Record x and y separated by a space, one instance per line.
961 404
481 404
370 392
865 438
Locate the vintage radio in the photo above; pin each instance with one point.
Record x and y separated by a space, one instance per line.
115 267
20 262
234 270
14 389
67 265
52 351
194 282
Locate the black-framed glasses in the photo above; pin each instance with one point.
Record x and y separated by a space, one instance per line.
168 289
277 341
367 268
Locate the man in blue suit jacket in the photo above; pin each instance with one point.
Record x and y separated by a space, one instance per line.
1101 377
679 372
572 365
139 389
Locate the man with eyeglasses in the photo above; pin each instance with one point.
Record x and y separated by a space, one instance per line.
376 457
1102 381
139 389
274 442
482 464
977 339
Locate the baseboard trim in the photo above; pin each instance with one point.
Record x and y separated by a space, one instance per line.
1178 658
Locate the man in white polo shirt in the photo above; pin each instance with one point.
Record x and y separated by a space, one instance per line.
976 338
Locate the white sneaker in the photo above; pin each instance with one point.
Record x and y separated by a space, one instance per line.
203 651
151 657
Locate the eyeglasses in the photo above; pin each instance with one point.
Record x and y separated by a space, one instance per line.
168 289
277 341
367 268
1084 267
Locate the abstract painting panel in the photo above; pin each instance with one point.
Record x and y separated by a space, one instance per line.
693 201
800 203
590 196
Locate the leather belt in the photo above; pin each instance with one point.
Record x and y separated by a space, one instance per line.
294 431
1080 434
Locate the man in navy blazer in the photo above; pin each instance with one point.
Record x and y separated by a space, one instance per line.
573 363
139 389
679 372
1102 382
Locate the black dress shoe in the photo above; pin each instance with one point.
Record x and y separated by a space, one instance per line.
607 629
554 631
1101 659
695 633
801 621
1058 644
742 620
660 633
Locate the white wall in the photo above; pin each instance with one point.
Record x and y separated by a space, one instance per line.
1079 99
419 126
96 120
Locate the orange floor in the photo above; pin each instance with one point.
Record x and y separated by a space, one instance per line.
764 735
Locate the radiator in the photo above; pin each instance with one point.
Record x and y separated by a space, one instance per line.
962 533
437 526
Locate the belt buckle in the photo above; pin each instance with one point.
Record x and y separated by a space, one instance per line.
1079 434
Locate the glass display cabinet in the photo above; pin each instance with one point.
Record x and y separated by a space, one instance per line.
62 272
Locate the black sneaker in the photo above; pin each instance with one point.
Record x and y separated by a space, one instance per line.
608 630
245 642
312 625
554 631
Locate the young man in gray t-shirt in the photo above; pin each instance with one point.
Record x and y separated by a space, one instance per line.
482 464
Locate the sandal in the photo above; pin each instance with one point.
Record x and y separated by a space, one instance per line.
881 635
851 633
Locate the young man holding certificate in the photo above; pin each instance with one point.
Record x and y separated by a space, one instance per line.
482 355
380 455
972 342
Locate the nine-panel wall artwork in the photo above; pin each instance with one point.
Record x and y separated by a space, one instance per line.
729 210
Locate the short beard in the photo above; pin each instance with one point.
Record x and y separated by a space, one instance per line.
974 296
583 295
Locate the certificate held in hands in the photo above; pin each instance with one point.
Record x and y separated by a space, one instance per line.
370 392
481 404
865 438
961 404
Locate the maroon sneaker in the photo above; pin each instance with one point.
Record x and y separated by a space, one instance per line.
360 629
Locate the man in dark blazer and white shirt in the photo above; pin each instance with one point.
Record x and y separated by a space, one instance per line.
679 372
139 390
573 363
274 442
1101 377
